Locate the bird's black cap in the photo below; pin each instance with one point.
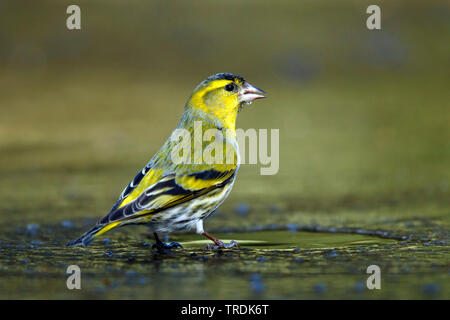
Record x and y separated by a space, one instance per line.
225 76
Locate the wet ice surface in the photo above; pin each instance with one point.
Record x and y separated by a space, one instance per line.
269 264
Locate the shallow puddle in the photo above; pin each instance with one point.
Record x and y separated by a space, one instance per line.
268 265
287 240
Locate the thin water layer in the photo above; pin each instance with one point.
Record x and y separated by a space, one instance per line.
268 265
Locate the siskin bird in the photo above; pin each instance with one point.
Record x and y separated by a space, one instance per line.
170 196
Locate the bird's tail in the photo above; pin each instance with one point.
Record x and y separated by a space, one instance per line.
89 236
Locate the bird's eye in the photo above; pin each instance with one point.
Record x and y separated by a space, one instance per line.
230 87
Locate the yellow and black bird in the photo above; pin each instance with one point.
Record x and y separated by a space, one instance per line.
170 196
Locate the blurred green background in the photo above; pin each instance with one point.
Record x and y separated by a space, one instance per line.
363 115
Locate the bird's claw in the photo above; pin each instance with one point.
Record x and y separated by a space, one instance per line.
220 245
160 246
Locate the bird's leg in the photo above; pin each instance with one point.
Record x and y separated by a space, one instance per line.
160 246
218 243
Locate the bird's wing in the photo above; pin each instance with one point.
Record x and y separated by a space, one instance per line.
168 191
146 177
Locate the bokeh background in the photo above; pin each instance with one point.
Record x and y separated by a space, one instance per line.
363 115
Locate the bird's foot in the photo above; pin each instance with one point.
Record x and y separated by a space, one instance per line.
161 246
220 245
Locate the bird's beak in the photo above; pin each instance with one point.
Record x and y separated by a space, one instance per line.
250 93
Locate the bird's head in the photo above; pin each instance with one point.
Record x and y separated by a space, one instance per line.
222 96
